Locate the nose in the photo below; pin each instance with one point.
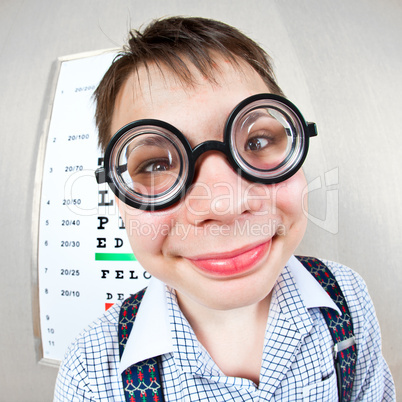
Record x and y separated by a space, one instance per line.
219 193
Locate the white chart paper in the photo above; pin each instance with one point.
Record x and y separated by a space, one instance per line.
85 263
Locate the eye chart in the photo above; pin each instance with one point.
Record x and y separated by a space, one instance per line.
84 262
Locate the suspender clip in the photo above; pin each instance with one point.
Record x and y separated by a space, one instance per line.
347 343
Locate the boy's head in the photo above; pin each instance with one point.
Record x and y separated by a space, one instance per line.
174 44
224 244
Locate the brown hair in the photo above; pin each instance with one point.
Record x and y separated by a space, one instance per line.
170 42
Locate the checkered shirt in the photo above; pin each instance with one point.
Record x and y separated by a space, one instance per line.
297 362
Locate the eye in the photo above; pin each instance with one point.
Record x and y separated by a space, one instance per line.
158 165
155 165
257 143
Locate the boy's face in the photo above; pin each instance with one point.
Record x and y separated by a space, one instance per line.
224 245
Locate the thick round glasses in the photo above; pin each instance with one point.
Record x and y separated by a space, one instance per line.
150 165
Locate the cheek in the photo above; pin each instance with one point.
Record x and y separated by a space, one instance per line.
146 231
291 196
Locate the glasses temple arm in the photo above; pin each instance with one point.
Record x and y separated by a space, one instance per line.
312 129
101 176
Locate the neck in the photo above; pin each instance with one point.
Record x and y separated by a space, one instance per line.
233 338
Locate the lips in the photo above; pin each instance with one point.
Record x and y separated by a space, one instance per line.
232 264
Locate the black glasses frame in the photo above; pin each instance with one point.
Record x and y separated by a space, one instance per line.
103 174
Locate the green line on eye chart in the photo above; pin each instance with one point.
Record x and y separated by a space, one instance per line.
115 257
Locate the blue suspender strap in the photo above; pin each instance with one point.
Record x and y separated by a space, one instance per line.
141 381
345 352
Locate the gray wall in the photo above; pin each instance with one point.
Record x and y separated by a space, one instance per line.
340 62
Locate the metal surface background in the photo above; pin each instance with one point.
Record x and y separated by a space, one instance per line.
340 62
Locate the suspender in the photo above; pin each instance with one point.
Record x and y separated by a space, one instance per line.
340 327
142 383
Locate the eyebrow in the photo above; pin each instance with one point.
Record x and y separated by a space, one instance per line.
255 115
155 141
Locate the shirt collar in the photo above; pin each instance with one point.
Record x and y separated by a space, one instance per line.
151 335
312 293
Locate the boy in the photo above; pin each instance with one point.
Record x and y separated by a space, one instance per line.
209 151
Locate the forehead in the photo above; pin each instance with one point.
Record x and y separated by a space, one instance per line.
156 92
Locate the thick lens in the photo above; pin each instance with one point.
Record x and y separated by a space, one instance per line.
262 139
267 140
149 165
153 164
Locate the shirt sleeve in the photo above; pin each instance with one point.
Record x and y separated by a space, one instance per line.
89 371
373 380
72 381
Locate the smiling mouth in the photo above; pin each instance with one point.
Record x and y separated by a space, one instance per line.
233 264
